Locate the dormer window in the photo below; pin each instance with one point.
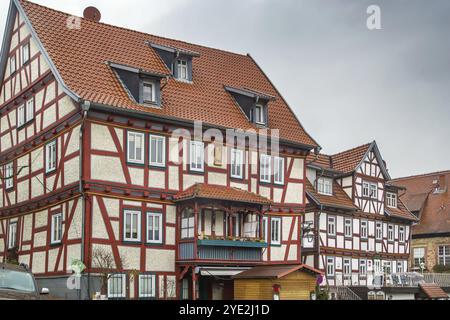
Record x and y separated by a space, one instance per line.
183 70
325 186
259 115
143 87
148 92
391 199
253 103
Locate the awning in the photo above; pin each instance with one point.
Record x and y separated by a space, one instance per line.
219 271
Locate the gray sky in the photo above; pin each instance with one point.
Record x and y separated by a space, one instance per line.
348 85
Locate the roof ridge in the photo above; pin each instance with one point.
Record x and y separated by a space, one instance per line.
421 175
136 31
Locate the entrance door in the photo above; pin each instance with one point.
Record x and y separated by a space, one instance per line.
217 290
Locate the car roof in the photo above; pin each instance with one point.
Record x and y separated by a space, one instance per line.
12 267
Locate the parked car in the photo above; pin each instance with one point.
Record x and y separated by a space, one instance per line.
18 283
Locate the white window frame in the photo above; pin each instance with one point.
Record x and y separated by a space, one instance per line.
391 231
275 231
265 168
366 189
26 53
182 67
12 235
363 267
391 200
347 267
12 65
444 255
348 228
56 227
278 170
331 226
374 191
379 231
152 99
29 110
187 226
402 234
135 160
132 213
9 175
21 116
152 287
325 186
123 282
260 116
364 229
160 151
237 164
265 227
419 253
331 269
197 152
151 216
51 157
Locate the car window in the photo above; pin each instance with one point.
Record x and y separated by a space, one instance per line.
16 281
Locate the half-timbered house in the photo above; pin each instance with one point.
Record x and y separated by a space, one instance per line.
100 161
357 230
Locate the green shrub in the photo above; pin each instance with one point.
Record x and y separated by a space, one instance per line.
441 269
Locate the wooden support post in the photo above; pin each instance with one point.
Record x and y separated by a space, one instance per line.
194 280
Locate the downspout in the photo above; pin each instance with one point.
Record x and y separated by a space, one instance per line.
85 106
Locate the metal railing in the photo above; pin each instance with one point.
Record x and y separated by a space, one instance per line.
343 293
374 279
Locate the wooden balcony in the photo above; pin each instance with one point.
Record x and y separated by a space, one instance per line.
239 251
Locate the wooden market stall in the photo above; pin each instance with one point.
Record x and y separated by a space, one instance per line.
283 282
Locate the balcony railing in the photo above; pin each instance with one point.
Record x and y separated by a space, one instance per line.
222 250
374 279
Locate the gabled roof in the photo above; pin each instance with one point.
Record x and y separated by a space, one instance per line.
275 271
434 206
339 199
348 161
213 192
80 57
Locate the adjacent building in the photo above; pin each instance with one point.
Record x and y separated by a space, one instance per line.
428 197
103 160
358 231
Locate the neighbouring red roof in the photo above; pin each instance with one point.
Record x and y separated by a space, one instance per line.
434 208
339 199
275 271
433 291
206 191
81 57
344 162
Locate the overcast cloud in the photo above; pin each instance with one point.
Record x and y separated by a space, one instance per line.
348 85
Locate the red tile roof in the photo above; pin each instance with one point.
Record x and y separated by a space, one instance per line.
344 162
433 291
434 207
339 199
206 191
275 271
81 57
401 212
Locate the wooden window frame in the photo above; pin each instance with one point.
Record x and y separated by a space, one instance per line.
53 240
122 295
12 239
135 160
153 293
263 158
51 156
279 164
132 213
234 165
276 242
153 216
196 146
